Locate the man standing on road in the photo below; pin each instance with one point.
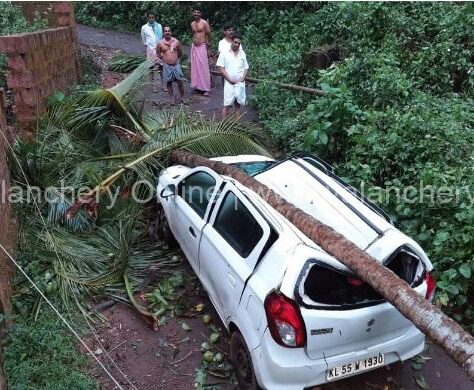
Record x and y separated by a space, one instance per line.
200 53
233 66
151 33
226 42
170 51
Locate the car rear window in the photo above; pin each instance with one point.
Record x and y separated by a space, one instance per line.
236 224
323 286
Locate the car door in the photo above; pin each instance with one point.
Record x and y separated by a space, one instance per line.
194 195
230 247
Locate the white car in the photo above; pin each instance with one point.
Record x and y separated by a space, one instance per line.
296 315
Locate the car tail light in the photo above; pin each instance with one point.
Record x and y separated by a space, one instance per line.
430 286
284 320
354 282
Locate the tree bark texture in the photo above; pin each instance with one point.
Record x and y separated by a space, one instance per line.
448 334
291 87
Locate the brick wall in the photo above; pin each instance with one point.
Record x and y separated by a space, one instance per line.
7 237
39 64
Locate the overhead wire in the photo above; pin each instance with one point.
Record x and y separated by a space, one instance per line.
73 331
109 374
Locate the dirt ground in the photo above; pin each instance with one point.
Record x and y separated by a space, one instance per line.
166 357
171 357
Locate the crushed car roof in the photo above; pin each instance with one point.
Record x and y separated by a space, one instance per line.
321 196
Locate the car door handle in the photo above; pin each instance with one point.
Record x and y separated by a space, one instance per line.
231 279
191 230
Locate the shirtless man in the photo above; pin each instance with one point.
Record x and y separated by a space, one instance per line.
200 53
169 50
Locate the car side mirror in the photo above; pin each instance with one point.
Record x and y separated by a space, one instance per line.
169 190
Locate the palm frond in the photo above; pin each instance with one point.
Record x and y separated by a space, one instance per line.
212 138
125 63
95 261
58 205
55 154
102 103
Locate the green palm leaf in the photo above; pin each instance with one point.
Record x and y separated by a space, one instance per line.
102 103
96 261
125 63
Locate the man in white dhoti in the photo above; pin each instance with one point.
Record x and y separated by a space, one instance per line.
233 66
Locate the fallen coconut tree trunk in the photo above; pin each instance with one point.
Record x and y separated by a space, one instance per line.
292 87
444 331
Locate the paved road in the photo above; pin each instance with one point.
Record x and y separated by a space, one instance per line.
128 42
439 373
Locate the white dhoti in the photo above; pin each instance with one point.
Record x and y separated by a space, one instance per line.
234 93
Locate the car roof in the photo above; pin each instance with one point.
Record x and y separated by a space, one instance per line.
317 193
321 196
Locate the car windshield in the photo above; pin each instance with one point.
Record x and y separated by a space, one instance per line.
253 168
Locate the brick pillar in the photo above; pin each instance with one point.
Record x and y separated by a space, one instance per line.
21 81
7 239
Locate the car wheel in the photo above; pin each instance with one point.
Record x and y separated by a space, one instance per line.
242 362
160 230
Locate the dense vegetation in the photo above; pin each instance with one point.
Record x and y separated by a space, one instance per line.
131 15
398 113
12 20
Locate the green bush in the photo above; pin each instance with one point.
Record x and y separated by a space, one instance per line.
12 20
130 16
42 354
425 146
398 112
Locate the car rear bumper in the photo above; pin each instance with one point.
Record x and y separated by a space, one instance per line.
285 368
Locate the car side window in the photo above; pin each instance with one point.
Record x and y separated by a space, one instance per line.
236 224
196 190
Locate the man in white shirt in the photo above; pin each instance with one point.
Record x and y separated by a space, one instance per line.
233 66
224 43
151 33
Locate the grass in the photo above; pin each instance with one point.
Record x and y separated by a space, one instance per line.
42 354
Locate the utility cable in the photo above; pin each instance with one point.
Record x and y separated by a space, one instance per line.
60 316
57 255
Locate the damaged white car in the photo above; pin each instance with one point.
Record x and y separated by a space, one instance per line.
297 316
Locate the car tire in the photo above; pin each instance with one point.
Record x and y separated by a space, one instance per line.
160 230
242 361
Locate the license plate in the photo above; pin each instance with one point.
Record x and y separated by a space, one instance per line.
354 367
